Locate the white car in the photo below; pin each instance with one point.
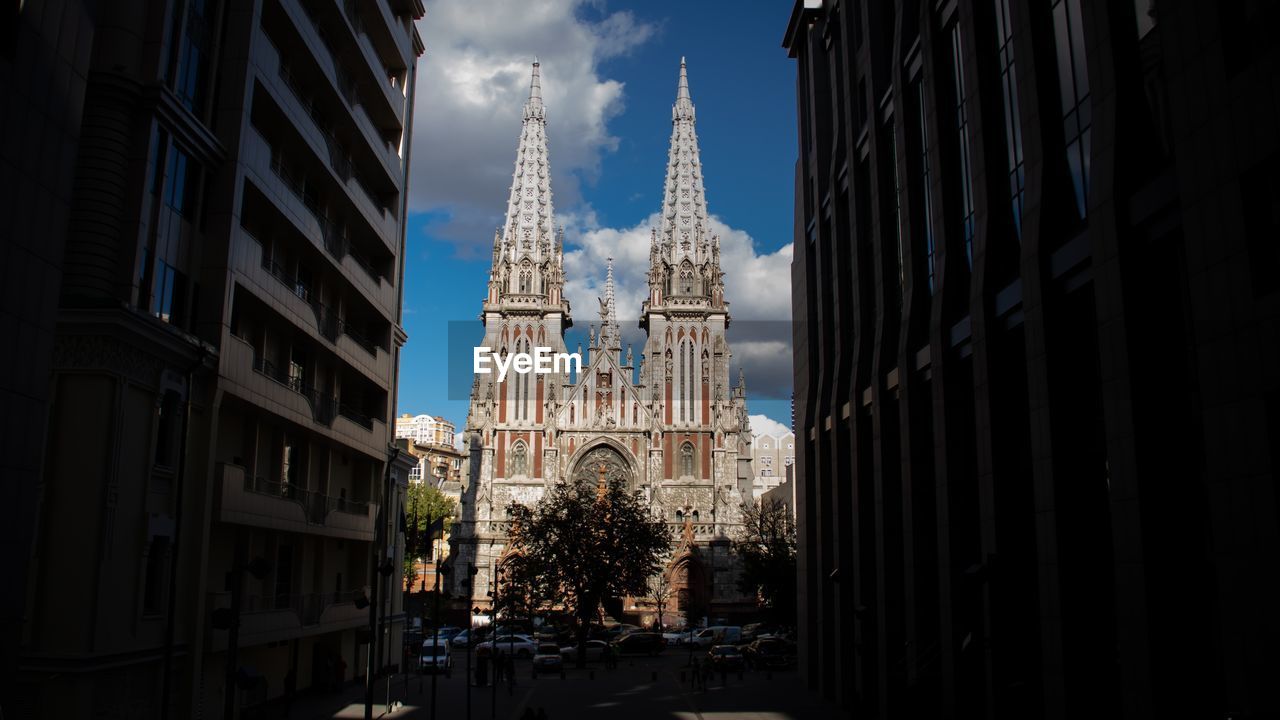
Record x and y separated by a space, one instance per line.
678 638
436 660
522 645
595 651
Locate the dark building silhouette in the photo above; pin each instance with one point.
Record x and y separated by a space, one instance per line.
202 256
1037 360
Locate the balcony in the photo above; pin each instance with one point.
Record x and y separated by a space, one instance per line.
262 384
282 506
298 203
282 617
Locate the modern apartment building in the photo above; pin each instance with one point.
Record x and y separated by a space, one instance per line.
425 429
1037 357
227 334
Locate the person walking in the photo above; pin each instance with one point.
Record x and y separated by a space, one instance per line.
697 674
510 668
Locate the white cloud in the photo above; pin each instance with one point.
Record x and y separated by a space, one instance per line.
765 425
472 84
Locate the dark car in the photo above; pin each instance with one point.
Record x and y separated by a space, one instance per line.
769 654
639 643
725 657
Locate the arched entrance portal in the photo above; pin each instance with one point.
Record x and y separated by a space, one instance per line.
606 461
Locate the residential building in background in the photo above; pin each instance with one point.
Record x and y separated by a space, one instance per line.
441 467
772 461
1037 359
219 299
425 429
671 427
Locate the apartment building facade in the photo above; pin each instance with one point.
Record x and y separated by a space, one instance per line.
226 352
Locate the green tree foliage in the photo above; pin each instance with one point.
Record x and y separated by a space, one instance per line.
767 547
581 549
424 506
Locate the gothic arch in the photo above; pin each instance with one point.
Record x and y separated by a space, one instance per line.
621 463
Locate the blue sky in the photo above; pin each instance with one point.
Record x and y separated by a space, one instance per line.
609 76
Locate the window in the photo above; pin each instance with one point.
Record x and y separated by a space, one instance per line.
1012 120
526 280
925 233
519 460
181 183
1073 84
962 129
686 460
193 54
686 281
169 295
891 133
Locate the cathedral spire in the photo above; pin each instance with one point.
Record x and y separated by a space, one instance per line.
610 335
684 206
535 89
530 220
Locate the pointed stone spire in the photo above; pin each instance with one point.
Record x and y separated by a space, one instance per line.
684 103
684 205
610 335
535 88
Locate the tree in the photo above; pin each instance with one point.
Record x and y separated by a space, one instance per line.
767 547
425 506
584 546
660 592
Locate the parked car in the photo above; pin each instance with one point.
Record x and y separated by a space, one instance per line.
640 643
435 659
678 638
445 634
595 651
547 658
754 631
469 638
718 635
522 645
725 657
769 654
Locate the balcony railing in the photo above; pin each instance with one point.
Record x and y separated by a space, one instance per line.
315 505
324 406
309 607
351 413
336 240
327 320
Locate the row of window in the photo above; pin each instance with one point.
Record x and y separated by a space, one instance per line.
1073 81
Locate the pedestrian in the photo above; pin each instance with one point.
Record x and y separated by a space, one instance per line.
697 674
510 668
498 666
340 676
482 670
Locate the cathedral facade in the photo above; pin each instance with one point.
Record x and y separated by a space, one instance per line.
667 424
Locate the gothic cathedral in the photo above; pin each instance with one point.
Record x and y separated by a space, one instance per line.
670 426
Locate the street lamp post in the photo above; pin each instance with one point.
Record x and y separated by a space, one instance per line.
493 654
471 630
436 651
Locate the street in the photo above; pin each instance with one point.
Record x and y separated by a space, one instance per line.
640 687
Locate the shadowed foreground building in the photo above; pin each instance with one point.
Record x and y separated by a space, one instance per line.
208 201
1037 362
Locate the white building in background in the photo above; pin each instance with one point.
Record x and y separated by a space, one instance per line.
773 460
425 429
